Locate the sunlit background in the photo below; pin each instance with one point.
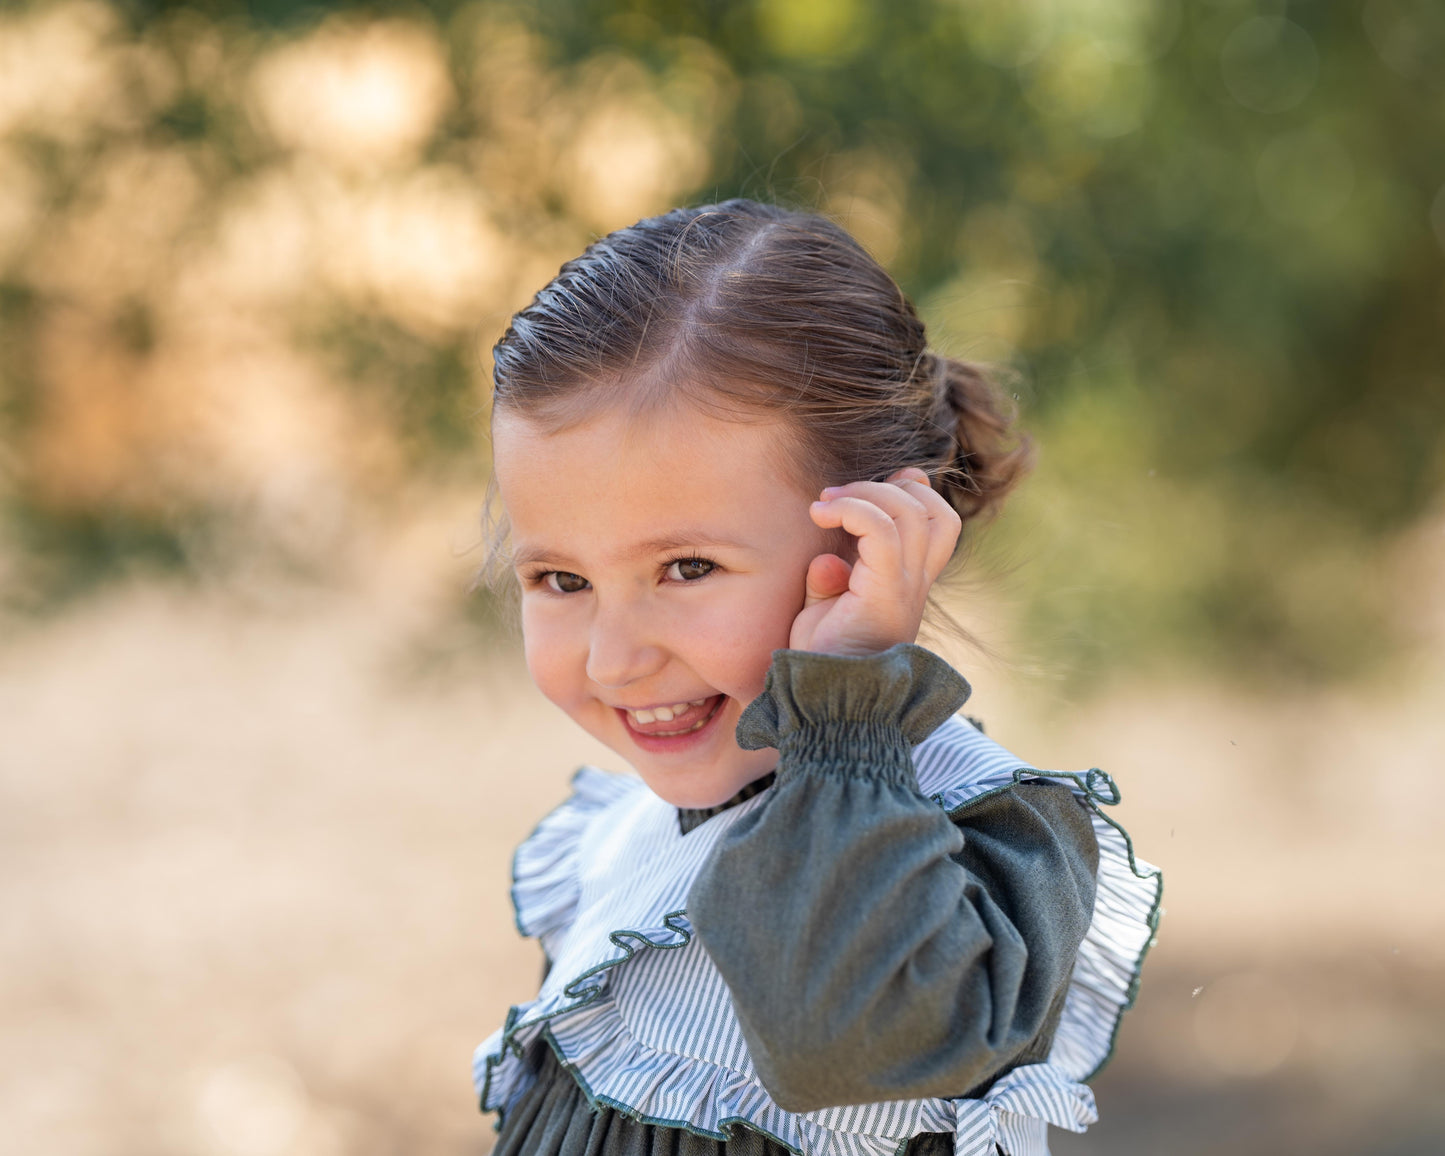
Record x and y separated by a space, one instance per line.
263 757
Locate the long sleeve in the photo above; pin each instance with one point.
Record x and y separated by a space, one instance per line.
874 948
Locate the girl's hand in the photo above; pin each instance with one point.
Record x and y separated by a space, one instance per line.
905 536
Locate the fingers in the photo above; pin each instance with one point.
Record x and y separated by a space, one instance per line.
879 543
906 527
901 524
944 523
905 534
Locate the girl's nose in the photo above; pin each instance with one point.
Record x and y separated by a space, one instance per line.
621 649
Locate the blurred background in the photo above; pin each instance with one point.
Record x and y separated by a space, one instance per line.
264 757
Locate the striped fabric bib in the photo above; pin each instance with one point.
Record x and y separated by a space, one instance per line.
641 1017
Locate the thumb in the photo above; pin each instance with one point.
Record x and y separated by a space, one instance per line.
827 578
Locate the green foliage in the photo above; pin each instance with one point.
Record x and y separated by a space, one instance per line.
65 556
1199 235
423 387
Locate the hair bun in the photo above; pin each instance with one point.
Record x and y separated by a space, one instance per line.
988 457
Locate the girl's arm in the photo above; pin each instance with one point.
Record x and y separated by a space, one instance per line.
876 949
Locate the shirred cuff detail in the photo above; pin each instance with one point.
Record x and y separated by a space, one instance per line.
845 749
823 709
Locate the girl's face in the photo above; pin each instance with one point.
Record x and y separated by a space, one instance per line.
661 564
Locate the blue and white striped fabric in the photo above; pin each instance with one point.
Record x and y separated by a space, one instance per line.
642 1018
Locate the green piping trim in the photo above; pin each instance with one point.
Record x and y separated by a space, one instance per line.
583 996
1095 799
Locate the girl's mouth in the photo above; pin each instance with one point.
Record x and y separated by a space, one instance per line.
666 734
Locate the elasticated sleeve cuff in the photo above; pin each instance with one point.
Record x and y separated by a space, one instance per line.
839 714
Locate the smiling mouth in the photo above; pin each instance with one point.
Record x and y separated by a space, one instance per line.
701 721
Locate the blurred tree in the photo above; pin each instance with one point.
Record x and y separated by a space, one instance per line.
1206 239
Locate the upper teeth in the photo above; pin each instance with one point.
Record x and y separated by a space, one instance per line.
663 713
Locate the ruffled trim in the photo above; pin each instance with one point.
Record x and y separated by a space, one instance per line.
1127 902
545 870
615 1070
613 820
956 766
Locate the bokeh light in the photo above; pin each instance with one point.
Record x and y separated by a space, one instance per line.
1269 64
1305 177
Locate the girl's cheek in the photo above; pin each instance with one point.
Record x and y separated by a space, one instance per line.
544 647
738 651
536 661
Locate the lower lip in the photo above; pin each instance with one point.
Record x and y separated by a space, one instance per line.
671 744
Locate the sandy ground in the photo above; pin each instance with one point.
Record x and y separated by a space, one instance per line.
253 872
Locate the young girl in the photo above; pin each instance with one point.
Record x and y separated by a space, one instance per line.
827 916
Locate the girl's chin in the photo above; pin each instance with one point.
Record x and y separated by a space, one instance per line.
698 792
693 796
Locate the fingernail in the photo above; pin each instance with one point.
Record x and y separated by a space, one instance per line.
829 491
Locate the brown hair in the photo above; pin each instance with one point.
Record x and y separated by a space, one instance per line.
744 309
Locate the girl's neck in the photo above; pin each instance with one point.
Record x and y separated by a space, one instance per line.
691 818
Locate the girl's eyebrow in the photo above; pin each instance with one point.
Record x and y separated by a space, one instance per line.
683 539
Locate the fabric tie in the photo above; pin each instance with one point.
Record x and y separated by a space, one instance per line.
1014 1113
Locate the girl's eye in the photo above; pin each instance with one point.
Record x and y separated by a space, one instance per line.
690 569
561 582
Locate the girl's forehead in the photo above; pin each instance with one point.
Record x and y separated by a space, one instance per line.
607 492
680 449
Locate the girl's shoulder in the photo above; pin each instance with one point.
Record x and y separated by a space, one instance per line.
957 762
